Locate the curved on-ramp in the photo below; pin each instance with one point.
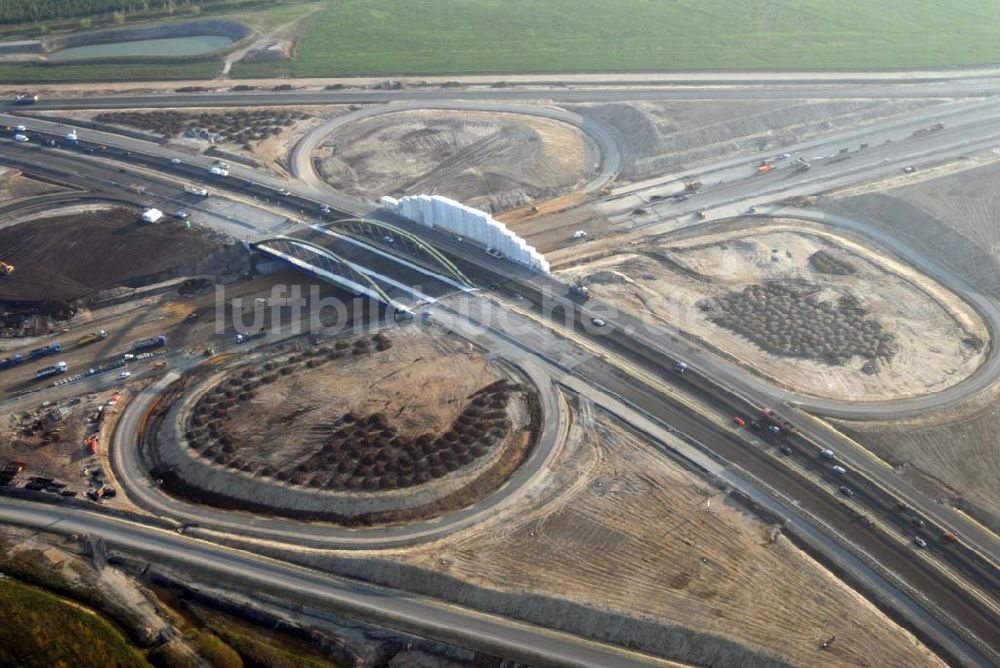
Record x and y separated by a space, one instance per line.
610 152
143 492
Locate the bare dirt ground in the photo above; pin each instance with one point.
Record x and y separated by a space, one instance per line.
952 455
493 162
950 215
65 257
660 137
14 186
622 528
827 316
401 420
271 132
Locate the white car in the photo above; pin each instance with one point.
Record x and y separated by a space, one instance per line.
839 469
20 128
175 161
597 322
919 541
20 137
124 374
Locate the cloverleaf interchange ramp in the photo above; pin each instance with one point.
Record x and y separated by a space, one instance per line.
518 283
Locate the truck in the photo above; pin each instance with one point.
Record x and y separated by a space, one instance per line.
801 165
764 168
195 190
151 215
87 339
775 424
579 292
218 170
692 186
49 371
39 353
11 361
25 98
152 342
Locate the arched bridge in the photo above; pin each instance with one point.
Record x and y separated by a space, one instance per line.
317 260
403 243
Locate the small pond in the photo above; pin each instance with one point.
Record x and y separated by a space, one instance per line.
195 45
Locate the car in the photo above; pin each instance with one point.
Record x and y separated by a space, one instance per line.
740 422
20 137
175 161
20 128
920 542
284 192
251 182
128 356
680 367
460 240
160 364
597 322
774 429
493 252
181 214
846 491
324 208
826 453
785 450
786 156
388 239
837 468
909 169
751 209
918 521
683 197
756 425
124 374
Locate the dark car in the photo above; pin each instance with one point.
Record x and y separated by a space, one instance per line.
919 521
785 450
846 491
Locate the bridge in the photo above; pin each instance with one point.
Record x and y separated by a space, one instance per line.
314 259
404 243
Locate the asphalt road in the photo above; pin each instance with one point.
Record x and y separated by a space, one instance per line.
531 644
562 95
503 269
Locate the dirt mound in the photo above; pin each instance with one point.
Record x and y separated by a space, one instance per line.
72 256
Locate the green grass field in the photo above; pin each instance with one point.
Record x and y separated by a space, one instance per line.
38 629
382 37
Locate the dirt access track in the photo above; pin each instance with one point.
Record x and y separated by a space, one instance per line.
813 311
492 161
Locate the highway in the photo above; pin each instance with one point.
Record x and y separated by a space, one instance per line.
820 504
394 608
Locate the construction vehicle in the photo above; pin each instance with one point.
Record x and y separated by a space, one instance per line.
11 361
152 342
801 165
764 168
25 98
87 339
6 269
775 424
39 353
692 186
49 371
579 292
195 190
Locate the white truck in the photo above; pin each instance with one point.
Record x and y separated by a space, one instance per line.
151 215
195 190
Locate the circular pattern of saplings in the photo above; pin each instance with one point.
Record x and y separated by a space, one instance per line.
790 322
825 263
355 452
239 127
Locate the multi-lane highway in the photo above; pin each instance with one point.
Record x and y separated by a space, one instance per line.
966 130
